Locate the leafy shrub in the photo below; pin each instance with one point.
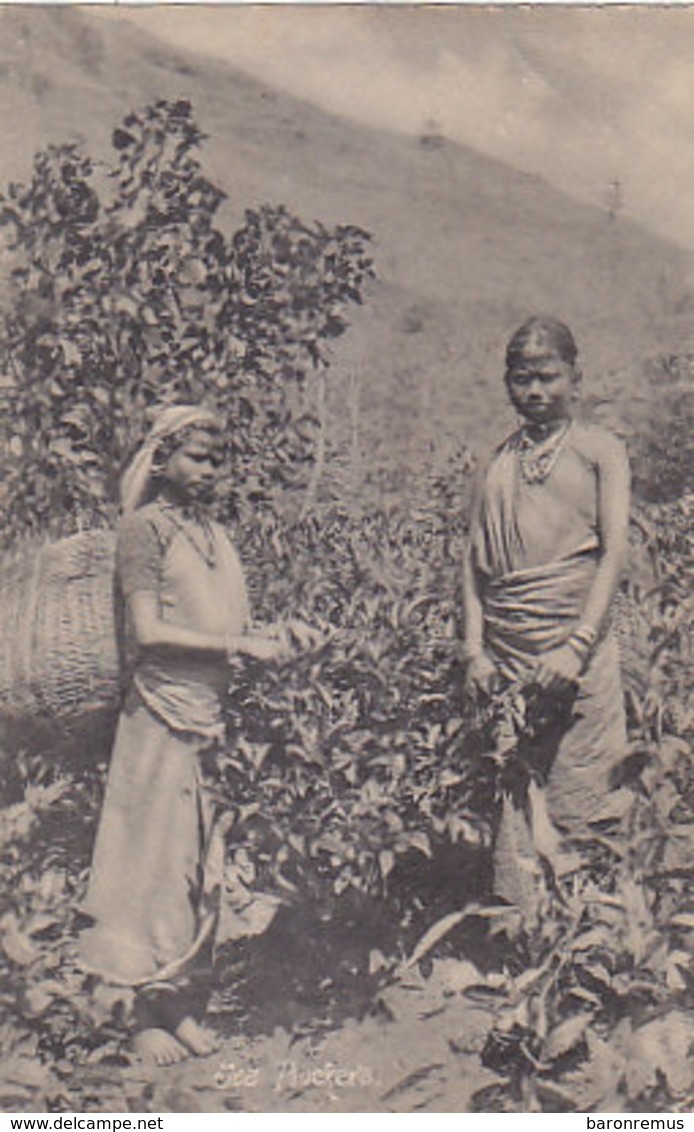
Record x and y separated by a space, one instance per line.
349 758
125 292
346 771
664 425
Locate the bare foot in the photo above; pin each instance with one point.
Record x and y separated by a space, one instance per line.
159 1046
195 1038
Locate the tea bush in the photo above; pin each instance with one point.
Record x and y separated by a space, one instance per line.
349 769
124 292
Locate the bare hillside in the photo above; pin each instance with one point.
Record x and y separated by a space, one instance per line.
465 247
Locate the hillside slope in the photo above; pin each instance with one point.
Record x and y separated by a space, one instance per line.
465 247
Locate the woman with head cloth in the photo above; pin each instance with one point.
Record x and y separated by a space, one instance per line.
187 614
547 545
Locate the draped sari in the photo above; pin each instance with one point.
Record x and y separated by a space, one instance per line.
535 549
157 835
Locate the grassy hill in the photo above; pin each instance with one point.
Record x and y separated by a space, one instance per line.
465 247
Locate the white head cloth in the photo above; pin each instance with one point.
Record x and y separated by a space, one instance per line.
136 478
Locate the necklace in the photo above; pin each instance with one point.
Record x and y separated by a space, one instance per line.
206 547
536 458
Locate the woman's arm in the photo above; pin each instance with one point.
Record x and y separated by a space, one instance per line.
153 632
612 467
138 564
564 664
481 674
473 613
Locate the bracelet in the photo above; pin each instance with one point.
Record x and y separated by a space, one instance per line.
579 646
582 641
587 635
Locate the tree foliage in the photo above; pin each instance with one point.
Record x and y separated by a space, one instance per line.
125 292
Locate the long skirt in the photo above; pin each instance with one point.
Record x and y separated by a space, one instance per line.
146 891
595 742
577 787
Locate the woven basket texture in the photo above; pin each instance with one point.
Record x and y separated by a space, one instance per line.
59 654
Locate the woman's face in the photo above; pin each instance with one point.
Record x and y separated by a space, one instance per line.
192 468
541 384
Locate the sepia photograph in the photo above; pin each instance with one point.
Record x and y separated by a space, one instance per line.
347 559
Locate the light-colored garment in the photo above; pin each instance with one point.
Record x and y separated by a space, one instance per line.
156 833
159 549
535 549
522 525
147 877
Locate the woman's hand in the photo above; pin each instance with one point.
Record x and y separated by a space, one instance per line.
264 644
304 636
264 648
482 675
558 668
276 642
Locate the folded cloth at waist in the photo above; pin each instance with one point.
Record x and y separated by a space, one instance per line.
186 696
530 611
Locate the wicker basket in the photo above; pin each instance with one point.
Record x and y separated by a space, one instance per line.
59 651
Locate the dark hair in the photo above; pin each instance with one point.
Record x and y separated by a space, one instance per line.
545 331
170 444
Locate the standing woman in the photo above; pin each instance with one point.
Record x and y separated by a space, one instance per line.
547 546
187 616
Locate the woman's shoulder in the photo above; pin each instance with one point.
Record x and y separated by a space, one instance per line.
491 467
500 445
139 550
141 518
498 454
597 444
147 524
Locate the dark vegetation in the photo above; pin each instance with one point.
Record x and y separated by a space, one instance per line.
361 789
